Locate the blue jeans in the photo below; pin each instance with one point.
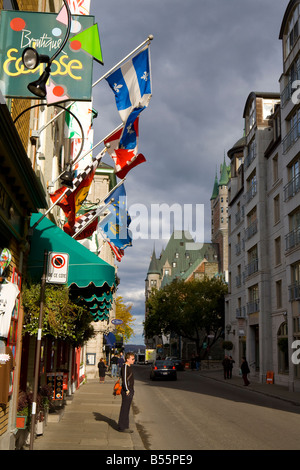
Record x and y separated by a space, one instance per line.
114 370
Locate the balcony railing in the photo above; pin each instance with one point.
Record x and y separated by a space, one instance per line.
292 239
240 312
294 291
250 157
251 268
238 280
251 230
238 249
292 187
251 192
286 94
253 306
291 137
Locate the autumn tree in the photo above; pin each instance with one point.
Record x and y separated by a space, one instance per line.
123 312
193 310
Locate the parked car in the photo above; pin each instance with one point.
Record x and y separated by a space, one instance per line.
178 362
163 370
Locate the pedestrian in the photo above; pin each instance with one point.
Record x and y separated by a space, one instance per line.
245 371
120 363
231 362
102 370
193 362
226 366
126 393
114 365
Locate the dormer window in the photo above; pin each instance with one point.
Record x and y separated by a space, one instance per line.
292 31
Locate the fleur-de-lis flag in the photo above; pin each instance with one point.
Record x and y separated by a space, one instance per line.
131 84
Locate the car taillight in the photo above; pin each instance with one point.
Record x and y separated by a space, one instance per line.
173 367
155 368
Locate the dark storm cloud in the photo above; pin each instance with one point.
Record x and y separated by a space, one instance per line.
207 56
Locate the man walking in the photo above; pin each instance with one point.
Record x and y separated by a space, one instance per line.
126 393
114 365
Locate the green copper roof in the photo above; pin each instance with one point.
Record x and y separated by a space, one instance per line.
216 189
180 254
153 268
224 179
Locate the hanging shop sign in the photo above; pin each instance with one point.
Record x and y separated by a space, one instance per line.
58 266
71 70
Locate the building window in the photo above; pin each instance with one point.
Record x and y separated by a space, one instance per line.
276 209
253 304
174 264
292 32
275 169
278 294
294 288
277 247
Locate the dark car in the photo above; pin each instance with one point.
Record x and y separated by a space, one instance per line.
177 362
163 370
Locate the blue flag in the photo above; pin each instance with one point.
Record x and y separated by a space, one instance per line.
118 234
118 203
131 84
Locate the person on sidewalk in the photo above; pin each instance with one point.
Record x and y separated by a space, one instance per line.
231 362
226 366
126 393
114 365
120 363
102 370
245 371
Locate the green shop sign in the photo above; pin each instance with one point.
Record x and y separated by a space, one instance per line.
71 70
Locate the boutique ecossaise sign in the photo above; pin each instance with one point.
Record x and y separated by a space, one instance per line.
72 69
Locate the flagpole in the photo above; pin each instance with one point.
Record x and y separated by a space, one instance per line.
147 41
59 199
93 148
100 209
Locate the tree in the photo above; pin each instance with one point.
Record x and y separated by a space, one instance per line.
123 312
62 318
193 310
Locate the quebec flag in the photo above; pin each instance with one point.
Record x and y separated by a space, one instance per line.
131 84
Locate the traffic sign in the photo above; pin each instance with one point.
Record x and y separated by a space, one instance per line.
58 264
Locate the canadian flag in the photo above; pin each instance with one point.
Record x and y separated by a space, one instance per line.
123 149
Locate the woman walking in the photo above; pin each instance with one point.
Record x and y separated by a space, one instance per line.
102 370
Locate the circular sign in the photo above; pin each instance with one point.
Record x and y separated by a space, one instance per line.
117 321
58 261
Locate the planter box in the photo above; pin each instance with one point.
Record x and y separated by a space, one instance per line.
21 422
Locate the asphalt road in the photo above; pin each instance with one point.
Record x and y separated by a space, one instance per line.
198 413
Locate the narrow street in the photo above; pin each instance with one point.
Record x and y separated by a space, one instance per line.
198 413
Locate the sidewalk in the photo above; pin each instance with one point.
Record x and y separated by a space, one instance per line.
272 390
89 422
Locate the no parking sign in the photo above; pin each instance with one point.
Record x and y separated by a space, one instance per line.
58 264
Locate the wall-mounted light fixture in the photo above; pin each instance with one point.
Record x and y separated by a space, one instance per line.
31 59
228 329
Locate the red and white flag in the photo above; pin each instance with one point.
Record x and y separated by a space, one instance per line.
123 149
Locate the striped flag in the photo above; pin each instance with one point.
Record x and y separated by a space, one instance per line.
75 196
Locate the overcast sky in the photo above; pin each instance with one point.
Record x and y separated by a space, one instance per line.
206 57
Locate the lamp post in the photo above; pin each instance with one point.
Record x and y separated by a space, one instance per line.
31 59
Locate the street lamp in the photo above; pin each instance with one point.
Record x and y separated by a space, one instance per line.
31 59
